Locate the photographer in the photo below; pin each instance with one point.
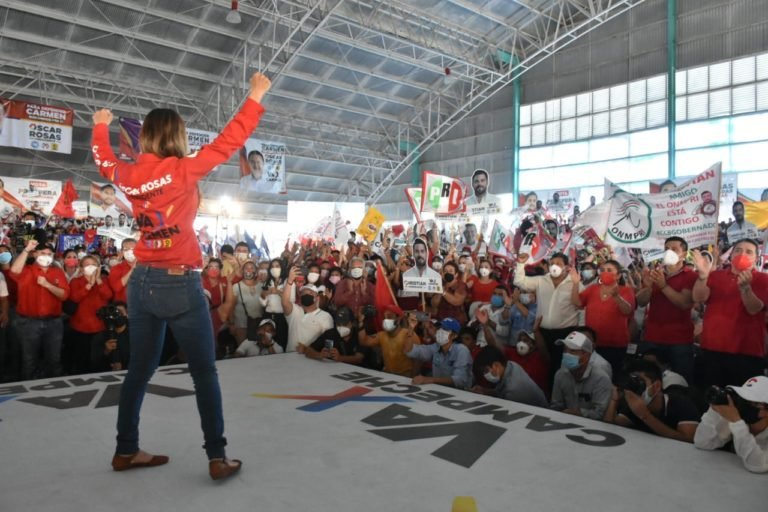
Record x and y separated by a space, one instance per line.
743 419
340 343
643 404
110 349
264 342
90 292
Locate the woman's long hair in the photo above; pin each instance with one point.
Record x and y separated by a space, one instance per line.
163 134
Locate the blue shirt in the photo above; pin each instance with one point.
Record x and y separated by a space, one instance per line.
456 364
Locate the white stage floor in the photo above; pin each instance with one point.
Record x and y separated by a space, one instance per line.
385 448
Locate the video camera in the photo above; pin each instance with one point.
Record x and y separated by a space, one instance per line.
111 316
716 395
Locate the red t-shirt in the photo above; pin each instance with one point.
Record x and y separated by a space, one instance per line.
727 325
163 191
34 300
667 324
604 316
482 291
88 302
533 364
116 275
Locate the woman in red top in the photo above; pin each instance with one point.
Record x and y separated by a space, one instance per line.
609 306
164 288
482 287
90 292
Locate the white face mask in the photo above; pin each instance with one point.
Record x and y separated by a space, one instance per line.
81 255
490 377
312 277
671 258
114 262
262 272
437 265
389 324
356 273
525 298
485 272
241 256
647 397
129 256
462 267
555 271
275 272
30 223
89 270
44 260
442 337
523 348
344 331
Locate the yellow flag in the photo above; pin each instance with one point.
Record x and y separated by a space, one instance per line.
371 224
757 214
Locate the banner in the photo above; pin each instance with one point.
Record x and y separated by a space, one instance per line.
80 209
442 195
371 224
500 241
757 214
728 191
129 138
106 199
554 203
340 231
645 220
67 242
35 126
262 167
482 202
413 194
23 194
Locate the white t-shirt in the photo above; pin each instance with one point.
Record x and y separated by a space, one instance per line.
247 298
736 233
304 328
250 348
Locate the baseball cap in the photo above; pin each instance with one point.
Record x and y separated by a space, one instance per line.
310 287
754 390
268 321
576 341
450 324
343 316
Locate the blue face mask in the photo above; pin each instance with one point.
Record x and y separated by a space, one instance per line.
570 361
497 301
5 258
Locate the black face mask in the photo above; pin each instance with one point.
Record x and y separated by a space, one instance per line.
307 300
121 321
448 278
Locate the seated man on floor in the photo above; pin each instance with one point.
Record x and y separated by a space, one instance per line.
509 378
644 405
263 345
339 343
451 361
580 387
743 420
391 341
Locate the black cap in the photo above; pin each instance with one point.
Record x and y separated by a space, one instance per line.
343 316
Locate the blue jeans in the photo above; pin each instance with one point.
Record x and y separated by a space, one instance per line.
156 298
34 335
680 357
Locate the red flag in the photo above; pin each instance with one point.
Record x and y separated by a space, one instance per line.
383 296
63 207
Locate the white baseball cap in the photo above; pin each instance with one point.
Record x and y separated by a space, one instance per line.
268 321
576 341
309 287
754 390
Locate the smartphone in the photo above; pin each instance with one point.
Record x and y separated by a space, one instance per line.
328 346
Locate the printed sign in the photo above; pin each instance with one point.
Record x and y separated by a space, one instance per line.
371 224
35 126
108 200
18 195
262 167
415 284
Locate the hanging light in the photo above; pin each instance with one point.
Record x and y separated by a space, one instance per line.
233 16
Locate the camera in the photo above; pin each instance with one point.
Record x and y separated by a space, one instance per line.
716 395
635 384
112 318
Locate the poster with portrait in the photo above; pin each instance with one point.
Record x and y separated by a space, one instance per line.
109 201
18 195
554 203
35 126
728 191
482 202
421 278
262 167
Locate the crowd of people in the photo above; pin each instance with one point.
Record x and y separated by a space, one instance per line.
675 347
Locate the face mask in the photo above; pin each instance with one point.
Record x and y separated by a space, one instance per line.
442 337
5 258
670 258
113 262
344 331
389 324
242 256
214 272
307 300
70 263
485 272
570 361
121 321
356 273
437 265
748 413
263 272
497 301
275 272
587 275
522 348
324 273
312 277
647 397
248 275
81 255
44 260
741 262
448 278
555 271
525 298
490 377
607 278
30 223
462 267
266 336
334 279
